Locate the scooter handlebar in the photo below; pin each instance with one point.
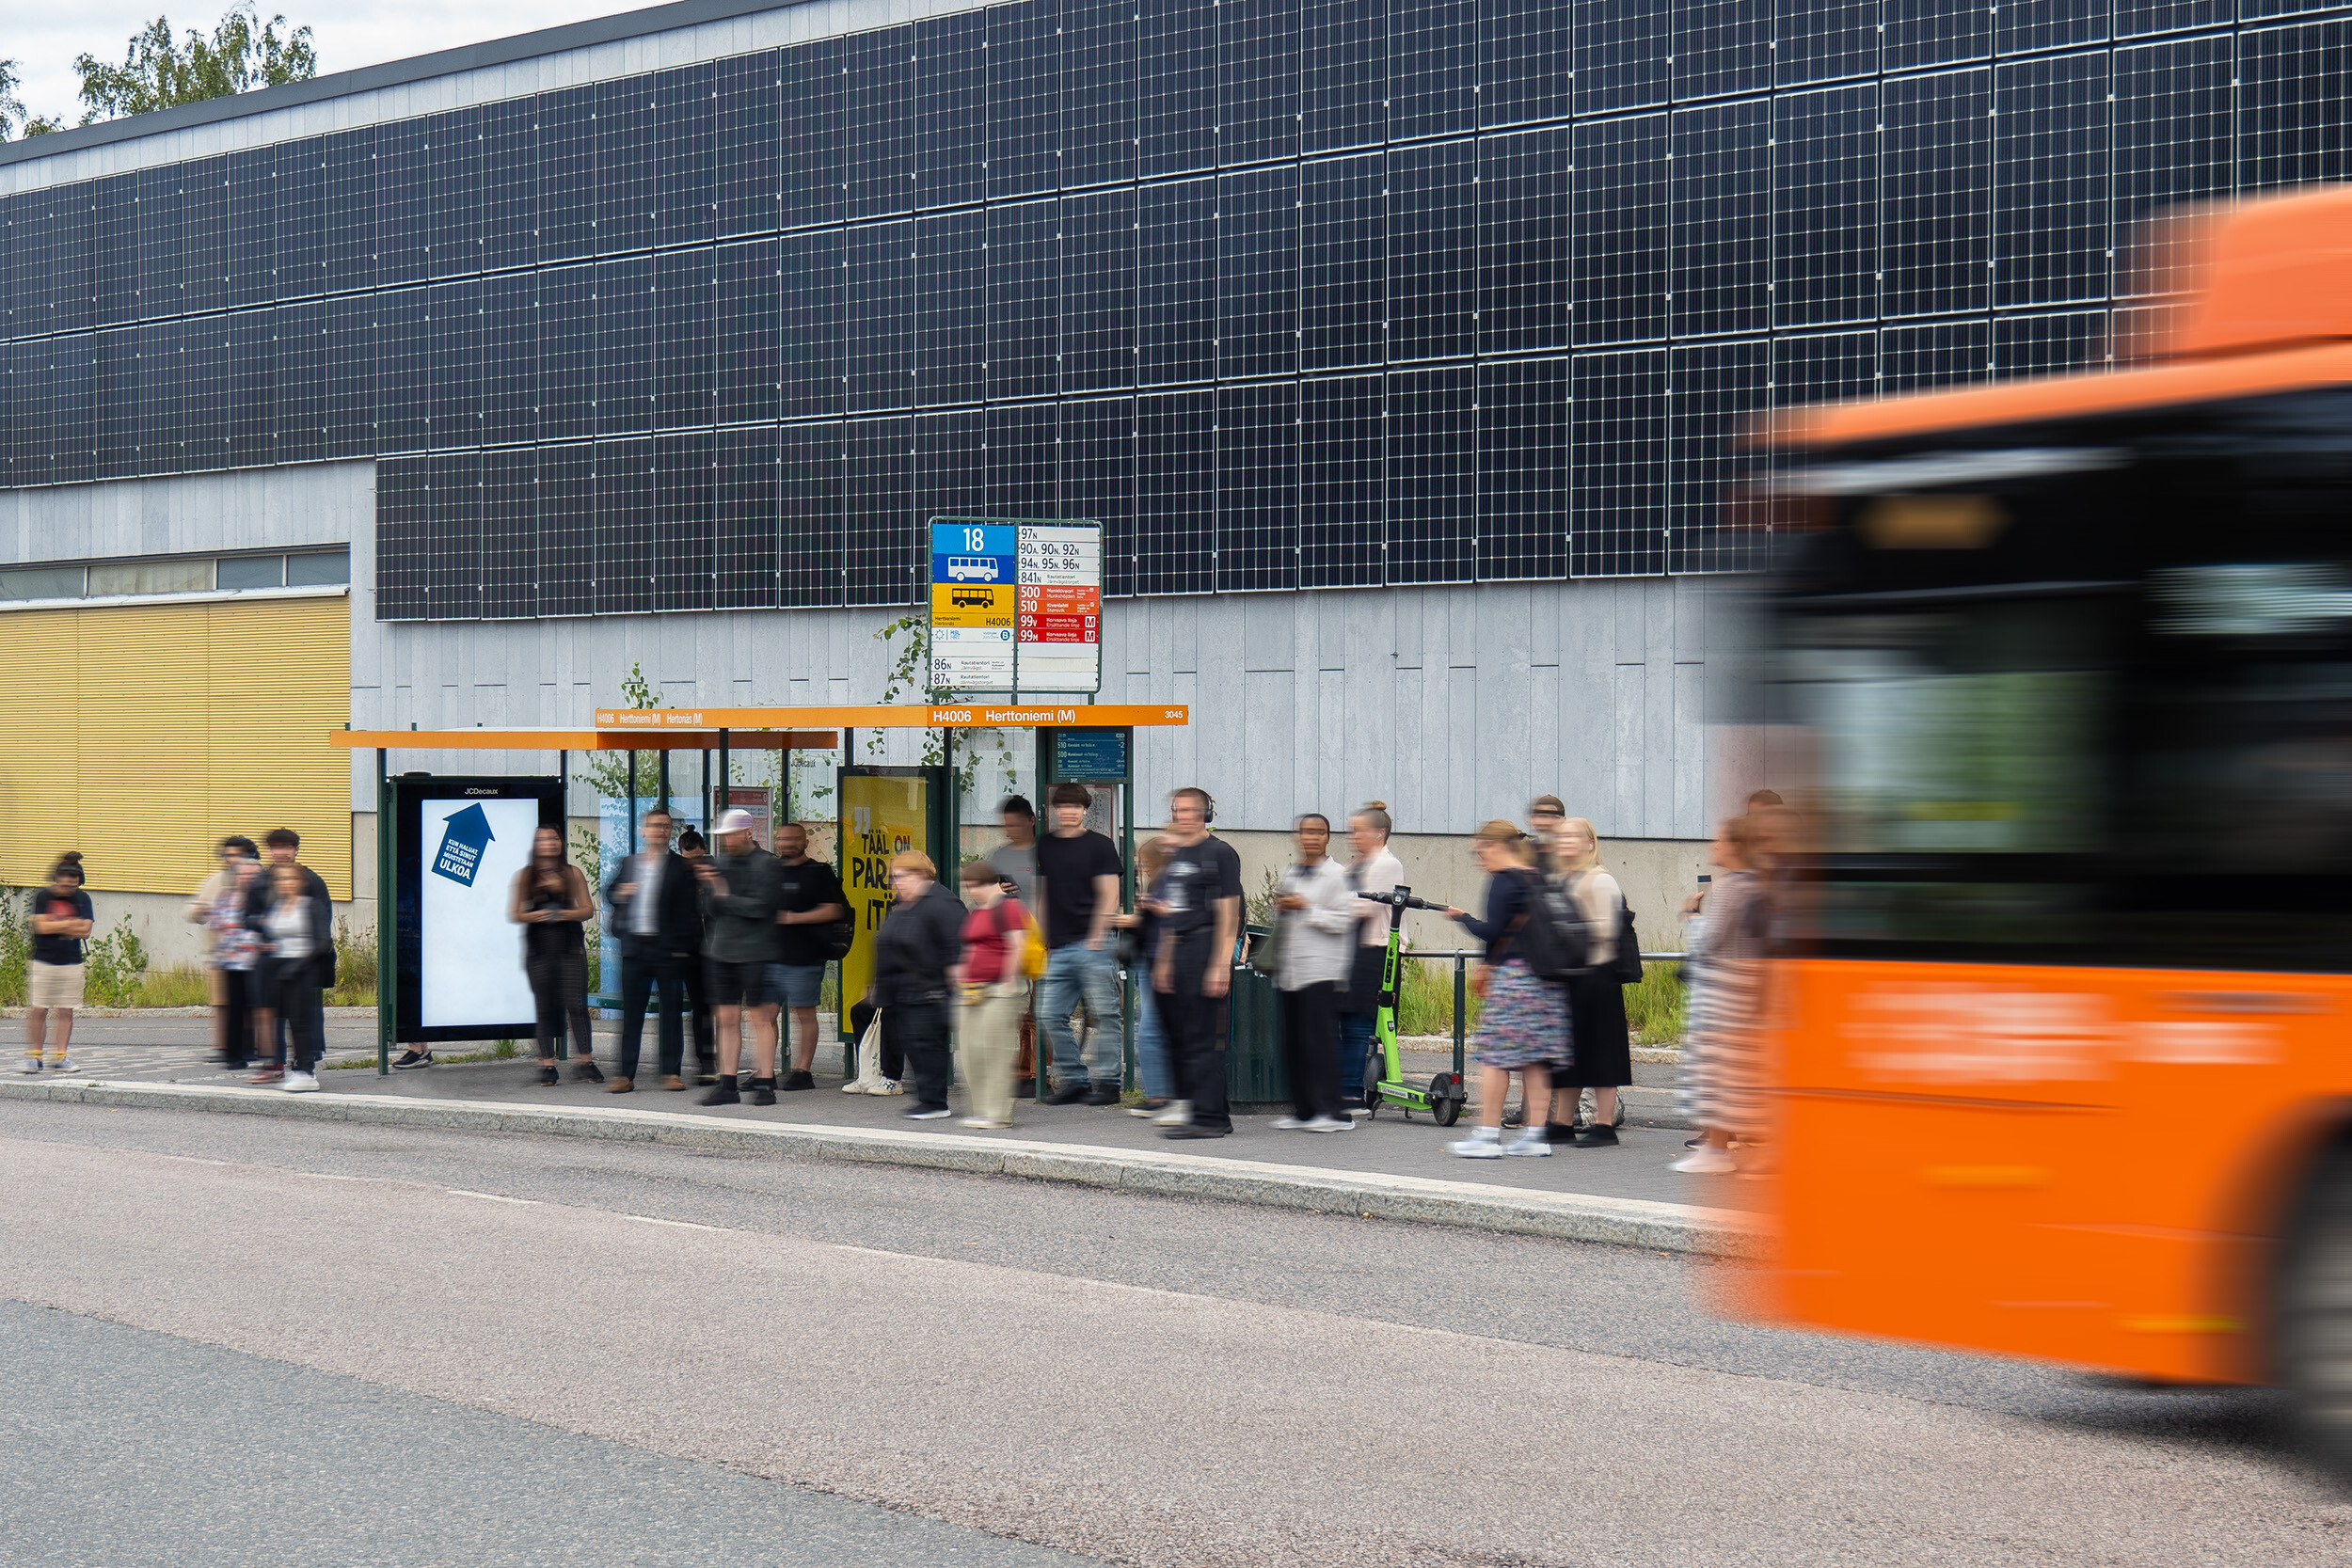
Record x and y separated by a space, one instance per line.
1402 899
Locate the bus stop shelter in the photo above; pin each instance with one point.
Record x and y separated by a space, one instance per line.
563 742
1089 743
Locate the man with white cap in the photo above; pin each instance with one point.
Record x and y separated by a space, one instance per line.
743 886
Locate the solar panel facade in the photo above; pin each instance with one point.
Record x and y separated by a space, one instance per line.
1286 294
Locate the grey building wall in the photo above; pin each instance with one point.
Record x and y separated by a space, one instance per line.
1452 704
243 509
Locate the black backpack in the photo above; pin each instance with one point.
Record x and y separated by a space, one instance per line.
839 936
1549 938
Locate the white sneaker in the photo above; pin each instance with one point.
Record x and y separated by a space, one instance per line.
1178 1113
301 1083
1289 1124
1533 1143
1485 1143
888 1086
1705 1160
981 1123
1328 1124
32 1064
65 1064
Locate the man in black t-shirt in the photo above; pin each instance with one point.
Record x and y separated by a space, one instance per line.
1192 967
1077 873
809 898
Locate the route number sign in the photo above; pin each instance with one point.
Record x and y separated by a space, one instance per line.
1016 606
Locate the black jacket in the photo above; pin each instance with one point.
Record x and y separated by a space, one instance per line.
916 946
677 924
257 899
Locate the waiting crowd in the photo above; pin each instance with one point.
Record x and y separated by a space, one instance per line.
272 958
713 938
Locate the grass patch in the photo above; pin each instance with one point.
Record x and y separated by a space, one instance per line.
1425 997
1653 1004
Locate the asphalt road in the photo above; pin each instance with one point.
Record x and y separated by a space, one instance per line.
263 1336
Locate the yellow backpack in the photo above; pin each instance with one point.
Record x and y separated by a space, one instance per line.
1033 950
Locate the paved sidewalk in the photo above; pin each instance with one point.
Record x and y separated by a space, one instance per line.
1382 1150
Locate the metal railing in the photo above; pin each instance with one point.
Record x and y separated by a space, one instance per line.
1462 956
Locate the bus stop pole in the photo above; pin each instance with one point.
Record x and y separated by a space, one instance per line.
563 830
1042 743
631 808
727 793
1127 895
386 938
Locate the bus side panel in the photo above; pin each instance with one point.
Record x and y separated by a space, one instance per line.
2081 1166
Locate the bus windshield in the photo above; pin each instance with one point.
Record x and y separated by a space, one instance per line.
2088 700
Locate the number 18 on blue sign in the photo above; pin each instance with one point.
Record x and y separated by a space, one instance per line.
972 552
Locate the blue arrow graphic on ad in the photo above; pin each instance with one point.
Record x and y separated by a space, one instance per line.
463 838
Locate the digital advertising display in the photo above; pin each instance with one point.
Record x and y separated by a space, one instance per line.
461 960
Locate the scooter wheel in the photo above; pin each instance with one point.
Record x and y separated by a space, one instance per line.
1445 1098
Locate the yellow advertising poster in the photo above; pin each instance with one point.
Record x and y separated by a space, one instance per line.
972 604
880 816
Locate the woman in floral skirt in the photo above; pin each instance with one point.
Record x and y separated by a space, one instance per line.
1525 1018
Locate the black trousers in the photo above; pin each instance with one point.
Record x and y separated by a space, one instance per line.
640 973
236 1016
297 1006
1310 1045
559 993
918 1032
297 987
705 1032
1194 1027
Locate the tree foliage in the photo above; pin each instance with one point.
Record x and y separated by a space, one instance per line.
159 72
14 121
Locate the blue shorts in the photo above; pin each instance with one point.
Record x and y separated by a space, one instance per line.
796 984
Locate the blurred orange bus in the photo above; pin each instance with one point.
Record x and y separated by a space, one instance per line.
2061 671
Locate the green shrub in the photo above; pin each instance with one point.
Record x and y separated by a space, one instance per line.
112 966
16 946
355 969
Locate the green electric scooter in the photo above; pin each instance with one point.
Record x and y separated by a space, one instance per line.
1384 1076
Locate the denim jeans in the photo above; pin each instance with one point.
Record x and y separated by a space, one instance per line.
1152 1063
1355 1048
1070 972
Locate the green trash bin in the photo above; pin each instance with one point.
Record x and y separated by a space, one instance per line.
1256 1076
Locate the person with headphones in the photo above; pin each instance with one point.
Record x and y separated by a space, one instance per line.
1192 966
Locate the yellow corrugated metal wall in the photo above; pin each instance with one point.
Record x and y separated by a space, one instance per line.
144 734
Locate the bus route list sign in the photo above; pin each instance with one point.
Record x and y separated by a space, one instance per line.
1016 607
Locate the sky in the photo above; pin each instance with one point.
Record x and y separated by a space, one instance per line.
43 36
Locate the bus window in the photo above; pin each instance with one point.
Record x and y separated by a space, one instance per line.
1960 749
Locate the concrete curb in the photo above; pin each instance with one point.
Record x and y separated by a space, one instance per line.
1620 1222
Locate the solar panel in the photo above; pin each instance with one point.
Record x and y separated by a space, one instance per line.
1282 292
